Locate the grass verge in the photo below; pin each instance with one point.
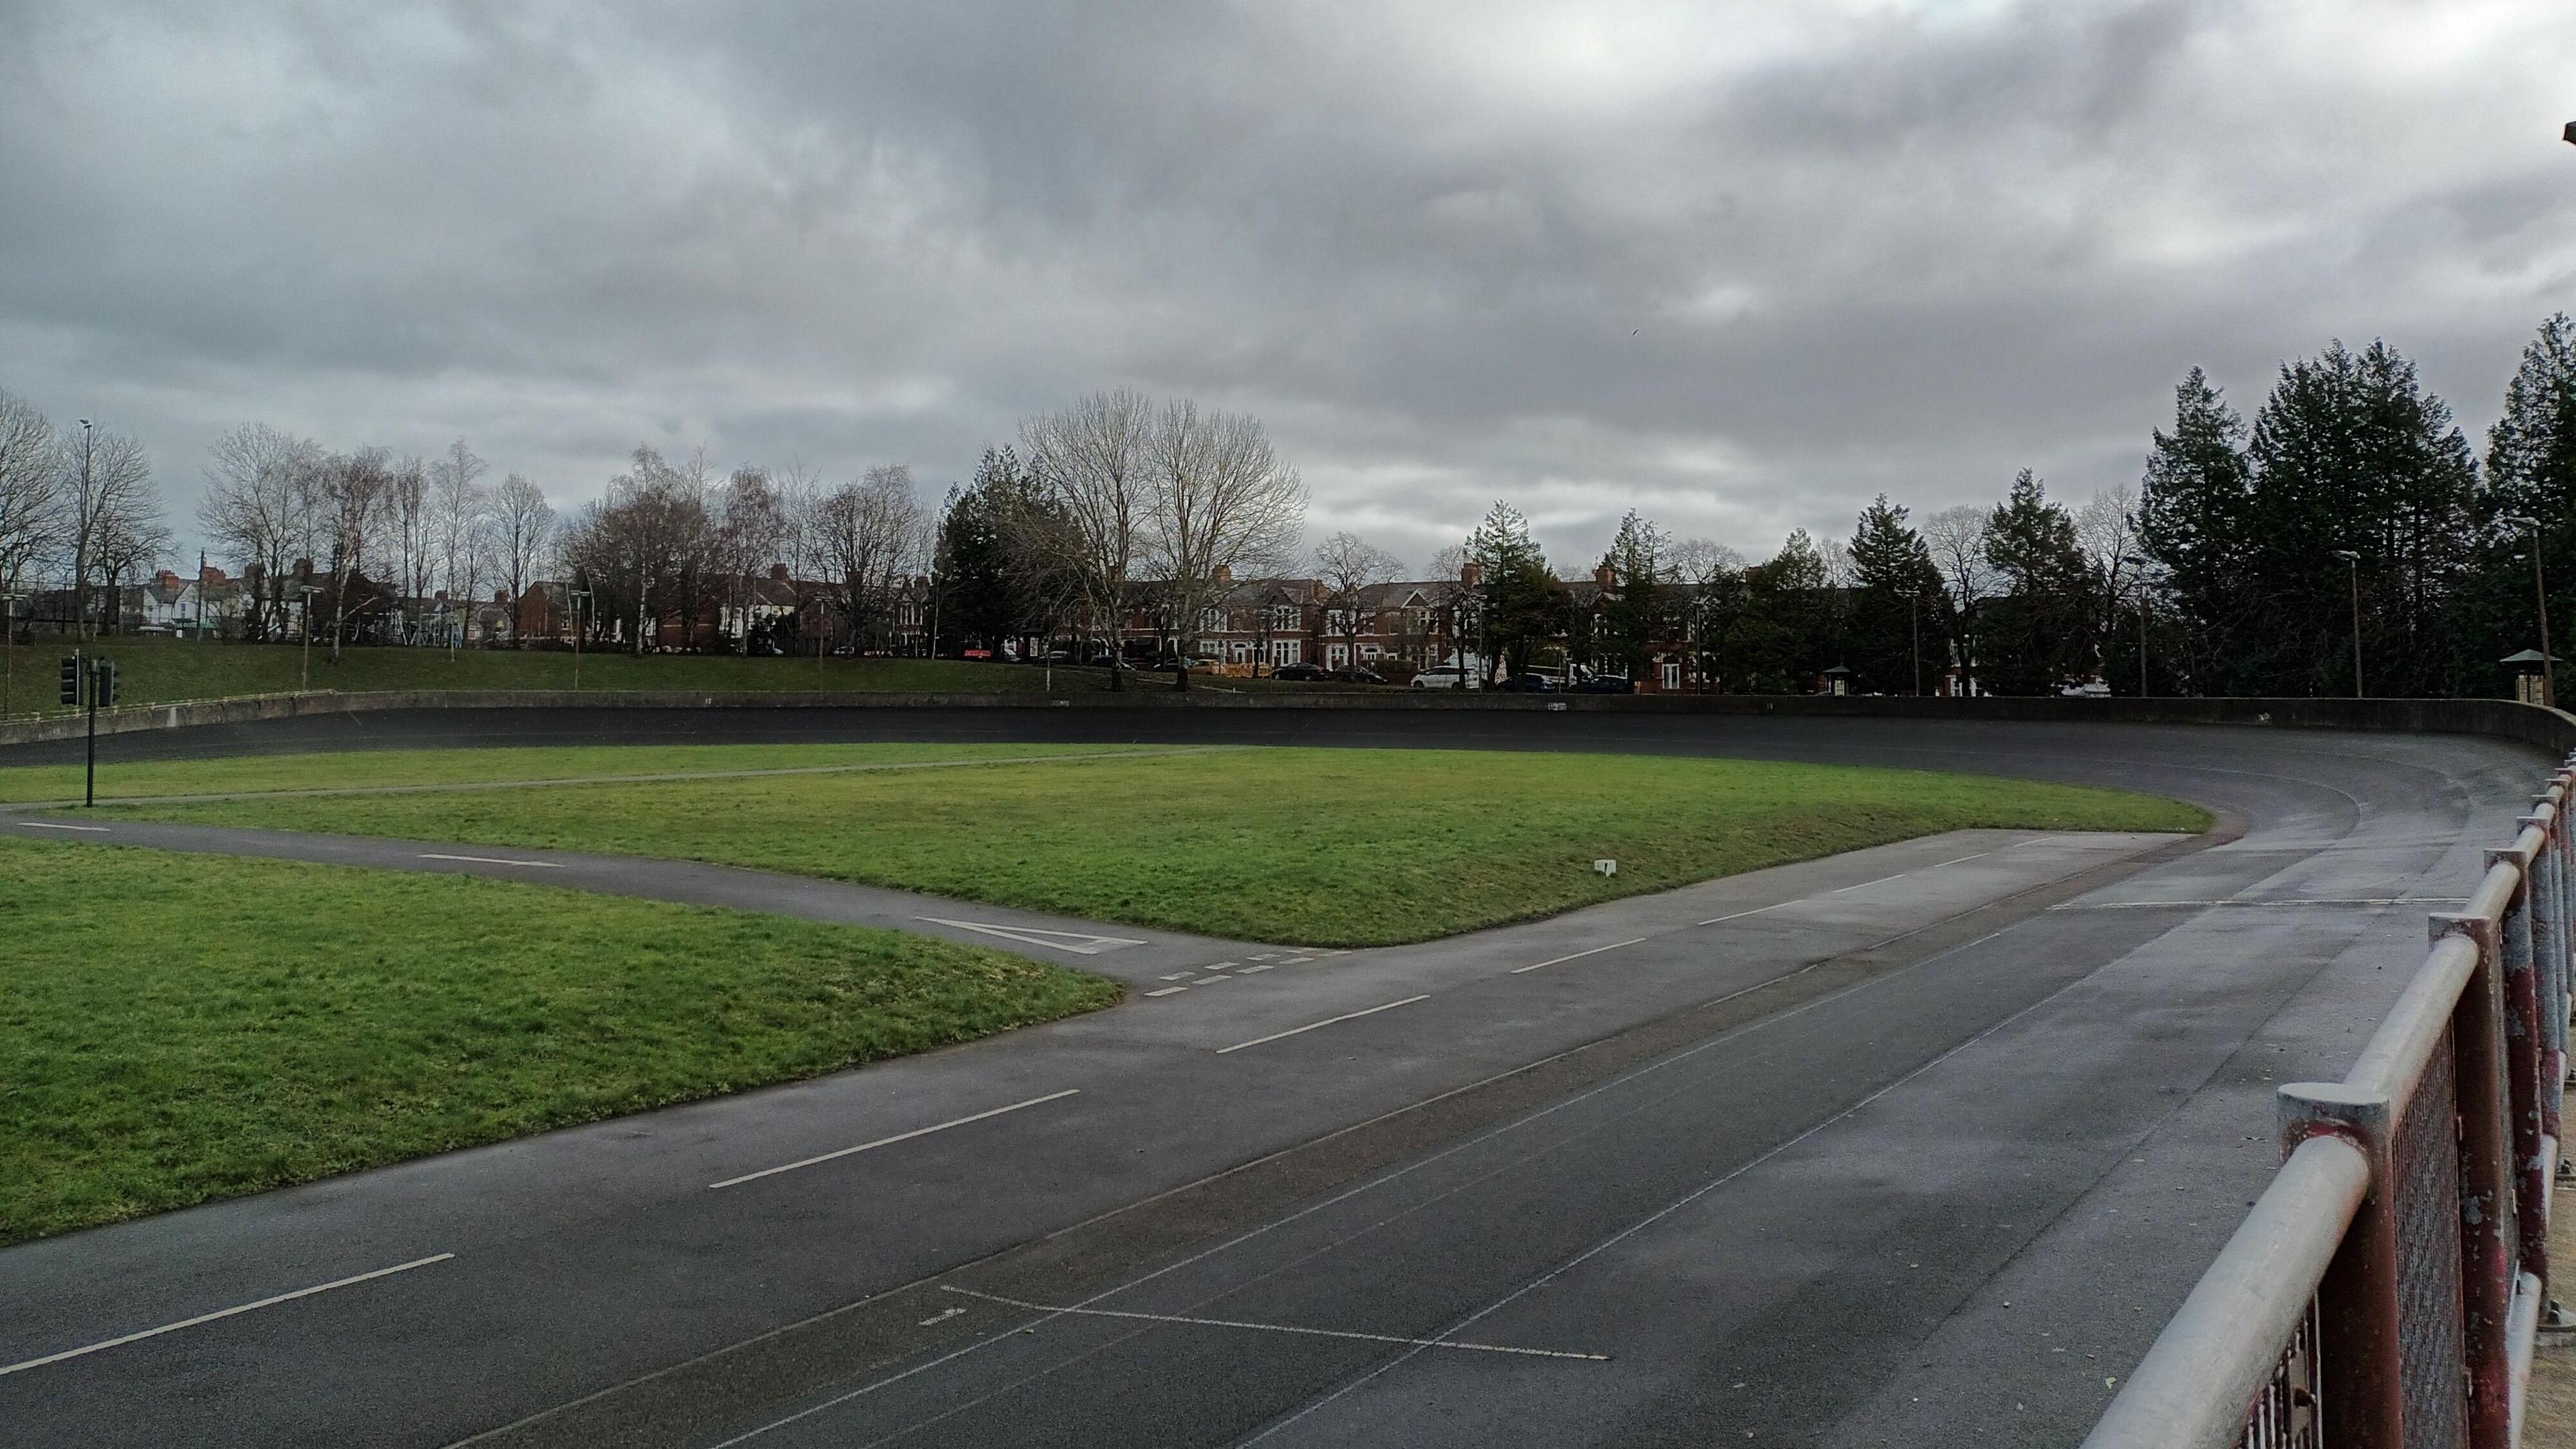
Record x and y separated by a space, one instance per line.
1318 846
381 769
151 670
181 1028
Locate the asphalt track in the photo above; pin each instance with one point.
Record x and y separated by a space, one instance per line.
1913 1145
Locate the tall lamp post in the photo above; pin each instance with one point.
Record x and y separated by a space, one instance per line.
2540 597
2141 563
580 600
304 593
2354 559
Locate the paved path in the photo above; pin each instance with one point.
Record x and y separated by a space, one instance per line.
1874 1150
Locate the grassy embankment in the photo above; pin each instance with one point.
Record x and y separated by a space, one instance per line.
180 1028
1318 846
156 670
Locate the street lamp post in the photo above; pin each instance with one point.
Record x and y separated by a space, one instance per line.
579 599
2540 598
304 593
2354 559
2131 558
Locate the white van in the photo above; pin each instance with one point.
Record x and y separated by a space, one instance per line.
1447 676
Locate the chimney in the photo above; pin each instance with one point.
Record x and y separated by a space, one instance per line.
1606 576
211 576
1223 576
778 573
500 596
439 598
166 579
1472 575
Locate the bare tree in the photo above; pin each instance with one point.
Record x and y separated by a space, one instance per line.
522 532
31 513
356 495
1957 538
108 481
262 488
458 505
645 541
750 533
1711 575
867 535
1220 500
1091 464
1349 569
405 502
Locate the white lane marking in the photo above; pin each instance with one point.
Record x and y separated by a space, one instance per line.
49 825
496 860
1166 991
1032 936
1980 855
942 1316
898 1137
1248 970
2287 901
1050 1308
1757 910
1864 885
1579 955
1327 1021
227 1312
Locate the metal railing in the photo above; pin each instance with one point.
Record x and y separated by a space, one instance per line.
2387 1288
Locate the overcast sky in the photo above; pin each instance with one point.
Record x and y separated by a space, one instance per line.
1740 266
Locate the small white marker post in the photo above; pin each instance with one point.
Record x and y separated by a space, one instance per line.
1605 867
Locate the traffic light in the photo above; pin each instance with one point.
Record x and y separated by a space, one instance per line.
103 684
71 679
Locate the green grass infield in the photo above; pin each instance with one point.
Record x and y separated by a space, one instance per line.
1332 847
178 1028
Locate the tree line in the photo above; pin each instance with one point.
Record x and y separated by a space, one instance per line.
2346 535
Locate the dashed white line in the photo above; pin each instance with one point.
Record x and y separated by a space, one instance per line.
1980 855
1739 915
898 1137
1166 991
226 1313
1327 1021
496 860
1280 1328
1579 955
1864 885
49 825
1248 970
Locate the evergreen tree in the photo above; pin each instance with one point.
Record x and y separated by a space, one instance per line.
2038 635
2530 473
1896 593
983 595
1632 617
2349 454
2193 505
1782 636
1519 602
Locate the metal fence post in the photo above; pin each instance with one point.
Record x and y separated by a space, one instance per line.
2525 1054
2487 1219
2360 1375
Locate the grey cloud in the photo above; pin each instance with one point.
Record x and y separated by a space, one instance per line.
1742 266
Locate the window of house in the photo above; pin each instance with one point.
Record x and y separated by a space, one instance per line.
1672 674
1286 651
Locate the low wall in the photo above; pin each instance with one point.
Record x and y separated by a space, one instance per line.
2549 729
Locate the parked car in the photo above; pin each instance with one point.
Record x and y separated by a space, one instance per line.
1305 673
1528 684
1605 684
1175 666
1354 676
1447 676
